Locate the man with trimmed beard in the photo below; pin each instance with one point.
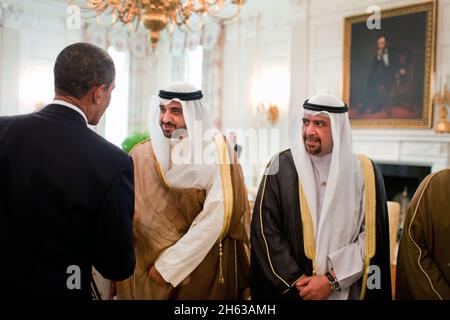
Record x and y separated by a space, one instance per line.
192 219
320 218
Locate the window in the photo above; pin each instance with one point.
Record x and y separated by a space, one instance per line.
116 116
194 67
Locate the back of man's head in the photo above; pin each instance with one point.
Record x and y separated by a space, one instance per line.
81 66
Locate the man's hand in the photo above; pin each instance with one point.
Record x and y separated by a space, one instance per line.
314 288
155 276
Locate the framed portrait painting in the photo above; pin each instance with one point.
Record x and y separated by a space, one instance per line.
387 70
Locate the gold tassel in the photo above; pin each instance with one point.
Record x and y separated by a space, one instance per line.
362 295
221 278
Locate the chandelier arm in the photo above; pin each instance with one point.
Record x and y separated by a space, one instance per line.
218 19
179 27
213 3
186 23
179 20
114 18
113 23
137 23
100 10
179 17
83 8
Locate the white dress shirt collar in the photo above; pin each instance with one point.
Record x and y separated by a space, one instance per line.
71 106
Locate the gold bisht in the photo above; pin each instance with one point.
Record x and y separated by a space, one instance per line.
163 214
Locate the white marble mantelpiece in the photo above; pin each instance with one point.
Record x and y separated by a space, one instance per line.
404 147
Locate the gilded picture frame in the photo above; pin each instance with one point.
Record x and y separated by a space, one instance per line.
387 72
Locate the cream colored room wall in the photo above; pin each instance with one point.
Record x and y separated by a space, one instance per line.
325 56
302 40
30 44
325 42
309 36
306 38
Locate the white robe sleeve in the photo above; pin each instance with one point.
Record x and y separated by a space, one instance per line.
178 261
348 262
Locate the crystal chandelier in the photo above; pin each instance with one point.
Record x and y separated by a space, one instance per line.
156 15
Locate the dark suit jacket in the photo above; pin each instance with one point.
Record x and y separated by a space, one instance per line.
66 199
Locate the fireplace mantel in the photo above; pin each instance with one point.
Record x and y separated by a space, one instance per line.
412 147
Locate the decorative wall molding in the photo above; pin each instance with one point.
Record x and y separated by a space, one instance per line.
446 13
326 7
299 5
137 43
244 26
268 17
325 43
36 20
407 147
327 37
9 13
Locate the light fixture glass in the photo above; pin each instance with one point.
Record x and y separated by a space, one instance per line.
156 15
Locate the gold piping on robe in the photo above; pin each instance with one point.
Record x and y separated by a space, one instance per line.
262 227
415 243
293 283
159 169
135 146
225 174
369 216
309 242
235 271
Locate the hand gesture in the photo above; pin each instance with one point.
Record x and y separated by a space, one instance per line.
314 288
155 276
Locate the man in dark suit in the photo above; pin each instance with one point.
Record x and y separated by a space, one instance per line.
382 75
66 194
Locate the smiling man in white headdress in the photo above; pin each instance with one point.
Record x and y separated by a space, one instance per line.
320 217
192 219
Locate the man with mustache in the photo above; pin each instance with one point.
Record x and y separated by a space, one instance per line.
320 219
192 218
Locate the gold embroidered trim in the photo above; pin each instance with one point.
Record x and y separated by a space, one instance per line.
309 242
262 227
370 217
137 144
227 186
235 271
159 169
292 284
410 236
162 175
225 174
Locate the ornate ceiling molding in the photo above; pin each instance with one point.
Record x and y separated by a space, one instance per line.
9 12
325 7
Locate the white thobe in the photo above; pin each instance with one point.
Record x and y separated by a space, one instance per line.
178 261
347 262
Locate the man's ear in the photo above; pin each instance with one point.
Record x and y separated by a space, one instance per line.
99 91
